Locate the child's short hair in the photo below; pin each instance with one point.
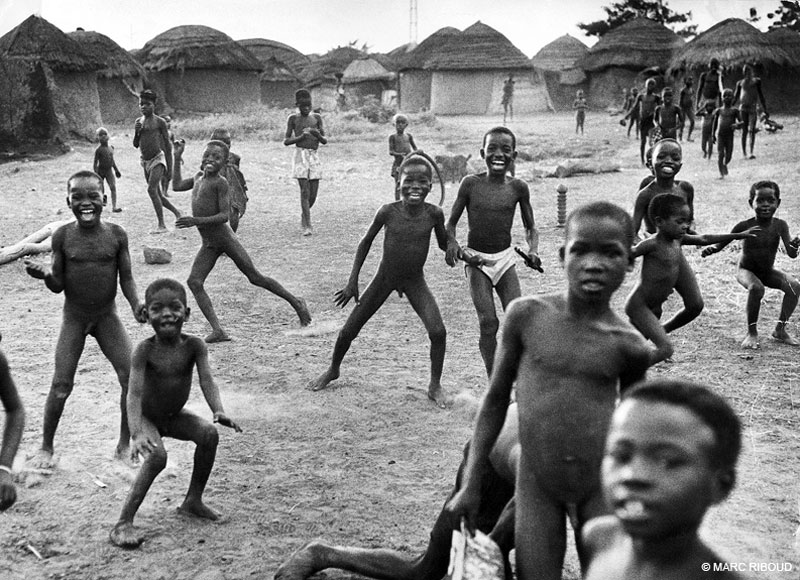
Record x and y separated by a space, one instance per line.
399 117
148 95
665 205
727 92
301 95
710 407
603 209
415 158
713 63
83 173
220 144
635 90
101 130
162 283
221 134
665 141
502 130
649 82
764 185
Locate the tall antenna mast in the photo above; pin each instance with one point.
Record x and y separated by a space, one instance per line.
412 25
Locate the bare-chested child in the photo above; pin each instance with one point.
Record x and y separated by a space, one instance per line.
408 225
567 355
662 266
707 142
210 209
749 94
161 380
756 270
491 201
88 249
645 106
12 433
151 137
686 103
496 518
105 166
668 116
726 121
670 455
400 145
237 186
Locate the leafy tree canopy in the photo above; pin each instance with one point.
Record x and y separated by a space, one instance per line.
786 15
621 12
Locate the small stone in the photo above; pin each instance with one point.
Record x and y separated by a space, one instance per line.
157 255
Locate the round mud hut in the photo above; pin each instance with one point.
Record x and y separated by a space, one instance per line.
49 87
119 80
614 63
280 76
558 61
198 68
323 75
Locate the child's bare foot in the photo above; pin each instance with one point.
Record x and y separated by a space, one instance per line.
437 394
750 341
300 565
783 336
308 231
125 535
161 229
195 507
217 336
303 313
117 209
43 460
323 380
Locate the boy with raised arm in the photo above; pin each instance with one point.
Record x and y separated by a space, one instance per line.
663 266
210 209
88 249
408 225
161 380
756 270
670 455
567 355
151 137
491 200
12 433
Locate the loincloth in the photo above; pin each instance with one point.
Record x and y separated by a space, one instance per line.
498 264
236 194
306 164
149 164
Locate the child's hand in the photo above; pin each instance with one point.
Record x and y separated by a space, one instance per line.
622 122
137 126
185 221
343 296
142 445
140 312
117 173
223 419
8 493
475 260
751 232
452 254
36 270
708 250
795 243
178 147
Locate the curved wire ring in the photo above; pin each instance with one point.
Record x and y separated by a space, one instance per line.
433 164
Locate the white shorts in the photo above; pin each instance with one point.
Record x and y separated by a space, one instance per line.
497 264
306 164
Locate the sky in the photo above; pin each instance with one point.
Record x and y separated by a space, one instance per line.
316 26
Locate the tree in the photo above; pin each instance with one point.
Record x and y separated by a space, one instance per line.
621 12
787 15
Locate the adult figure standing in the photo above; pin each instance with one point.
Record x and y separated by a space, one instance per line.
748 93
709 86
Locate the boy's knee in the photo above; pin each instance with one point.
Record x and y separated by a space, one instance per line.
438 334
209 437
157 458
489 324
194 284
757 290
695 307
61 388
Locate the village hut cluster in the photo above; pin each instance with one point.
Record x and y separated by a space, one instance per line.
60 85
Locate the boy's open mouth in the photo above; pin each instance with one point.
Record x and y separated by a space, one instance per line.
631 510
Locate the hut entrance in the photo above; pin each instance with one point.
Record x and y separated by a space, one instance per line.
40 118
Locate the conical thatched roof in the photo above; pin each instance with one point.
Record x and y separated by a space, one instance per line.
264 50
365 69
561 54
734 43
116 62
36 39
196 47
637 44
786 38
331 63
415 57
478 47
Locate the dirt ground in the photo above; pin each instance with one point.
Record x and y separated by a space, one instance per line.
370 460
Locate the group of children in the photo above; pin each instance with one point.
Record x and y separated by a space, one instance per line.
579 466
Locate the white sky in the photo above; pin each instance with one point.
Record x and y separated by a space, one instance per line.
325 24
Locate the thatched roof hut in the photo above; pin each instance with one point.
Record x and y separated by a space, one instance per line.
453 72
561 54
119 80
788 39
198 68
367 76
323 74
264 50
50 87
281 66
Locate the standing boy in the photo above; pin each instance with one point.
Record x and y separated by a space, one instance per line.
508 99
151 137
105 166
670 454
210 208
668 116
645 106
749 90
567 354
663 266
408 224
757 270
400 145
491 200
707 143
726 121
304 131
710 85
580 107
88 249
632 113
12 434
161 380
686 103
237 186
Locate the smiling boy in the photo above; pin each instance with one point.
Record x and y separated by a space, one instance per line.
87 249
491 201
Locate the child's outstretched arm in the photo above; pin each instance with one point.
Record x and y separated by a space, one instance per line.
12 433
126 283
708 239
54 276
343 296
178 183
209 387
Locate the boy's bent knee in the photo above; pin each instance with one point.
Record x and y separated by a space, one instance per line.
61 389
489 324
195 285
209 437
157 459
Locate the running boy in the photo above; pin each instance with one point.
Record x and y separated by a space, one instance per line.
105 166
668 116
210 208
304 131
88 249
491 200
663 266
400 145
686 103
408 225
151 137
580 107
749 91
237 187
670 454
161 380
726 121
12 434
568 354
645 106
757 263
